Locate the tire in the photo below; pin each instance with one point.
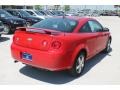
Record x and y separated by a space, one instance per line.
107 49
7 29
28 24
0 36
78 66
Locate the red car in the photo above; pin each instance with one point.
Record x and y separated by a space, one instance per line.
60 43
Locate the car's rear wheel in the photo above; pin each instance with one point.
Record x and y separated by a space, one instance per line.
107 49
7 29
78 66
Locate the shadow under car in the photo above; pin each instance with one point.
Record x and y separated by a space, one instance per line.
60 77
3 39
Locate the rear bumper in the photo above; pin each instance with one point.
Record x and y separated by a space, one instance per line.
53 61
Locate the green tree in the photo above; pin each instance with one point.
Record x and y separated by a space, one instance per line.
66 7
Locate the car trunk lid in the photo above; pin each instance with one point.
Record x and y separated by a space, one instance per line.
33 38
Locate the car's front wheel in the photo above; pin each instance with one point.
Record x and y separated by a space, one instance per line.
78 66
107 49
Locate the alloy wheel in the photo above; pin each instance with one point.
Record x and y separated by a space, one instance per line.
6 29
80 64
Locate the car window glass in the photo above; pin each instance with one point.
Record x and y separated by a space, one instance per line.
24 13
15 13
85 28
42 12
59 24
5 14
95 26
31 13
38 13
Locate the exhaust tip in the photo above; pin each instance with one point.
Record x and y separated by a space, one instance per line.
15 61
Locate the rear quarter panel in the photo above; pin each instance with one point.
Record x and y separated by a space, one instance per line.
71 46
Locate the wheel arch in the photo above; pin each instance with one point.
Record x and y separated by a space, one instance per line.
77 51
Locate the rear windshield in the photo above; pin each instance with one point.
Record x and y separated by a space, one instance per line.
58 24
24 13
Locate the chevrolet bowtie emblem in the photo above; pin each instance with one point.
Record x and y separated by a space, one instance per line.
29 39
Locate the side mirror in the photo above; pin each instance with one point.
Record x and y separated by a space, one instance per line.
105 29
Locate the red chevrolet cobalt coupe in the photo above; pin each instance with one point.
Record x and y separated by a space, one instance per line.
60 43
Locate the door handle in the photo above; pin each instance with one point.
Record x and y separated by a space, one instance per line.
105 34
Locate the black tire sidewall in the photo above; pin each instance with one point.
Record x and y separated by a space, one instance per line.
106 50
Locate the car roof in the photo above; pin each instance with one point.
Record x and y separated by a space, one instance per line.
77 18
29 10
14 9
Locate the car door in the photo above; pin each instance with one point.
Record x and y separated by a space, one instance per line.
90 39
15 14
101 36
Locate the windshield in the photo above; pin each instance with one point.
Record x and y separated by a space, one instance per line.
5 14
58 12
24 13
38 13
48 12
43 12
58 24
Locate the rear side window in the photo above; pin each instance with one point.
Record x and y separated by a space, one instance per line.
85 28
95 26
58 24
14 13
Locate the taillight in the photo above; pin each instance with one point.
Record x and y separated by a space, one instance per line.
56 44
15 39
